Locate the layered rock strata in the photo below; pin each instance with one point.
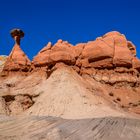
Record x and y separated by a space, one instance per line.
110 61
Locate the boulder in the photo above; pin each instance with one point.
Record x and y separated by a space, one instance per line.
110 50
42 58
122 54
61 52
62 56
77 49
97 50
100 52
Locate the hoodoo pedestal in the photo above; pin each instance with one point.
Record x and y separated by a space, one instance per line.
17 59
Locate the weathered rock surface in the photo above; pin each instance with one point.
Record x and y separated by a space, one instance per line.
136 63
17 60
100 78
50 55
122 54
111 50
94 93
97 50
2 61
110 61
49 128
3 107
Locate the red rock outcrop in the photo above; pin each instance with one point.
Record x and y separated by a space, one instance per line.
109 61
96 51
136 63
122 55
2 61
50 55
111 50
17 60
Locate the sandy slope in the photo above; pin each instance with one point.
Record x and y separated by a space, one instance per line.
66 107
49 128
66 94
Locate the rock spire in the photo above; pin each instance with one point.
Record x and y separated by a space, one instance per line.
17 60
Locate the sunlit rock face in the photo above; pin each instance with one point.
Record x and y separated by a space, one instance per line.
109 51
62 51
2 61
97 79
109 60
17 60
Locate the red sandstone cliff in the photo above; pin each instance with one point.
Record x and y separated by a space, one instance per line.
17 60
109 51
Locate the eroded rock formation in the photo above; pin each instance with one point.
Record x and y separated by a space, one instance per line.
50 55
17 59
2 61
109 51
109 61
98 80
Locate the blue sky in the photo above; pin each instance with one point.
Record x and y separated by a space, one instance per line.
72 20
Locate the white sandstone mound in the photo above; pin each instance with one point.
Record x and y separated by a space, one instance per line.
66 94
